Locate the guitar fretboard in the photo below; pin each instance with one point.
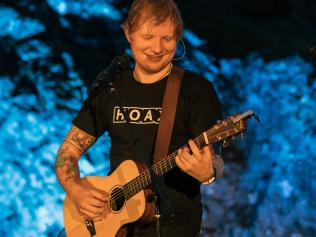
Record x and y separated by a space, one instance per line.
228 128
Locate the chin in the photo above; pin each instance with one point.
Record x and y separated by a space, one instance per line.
154 69
156 66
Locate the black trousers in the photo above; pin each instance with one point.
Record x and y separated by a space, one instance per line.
184 225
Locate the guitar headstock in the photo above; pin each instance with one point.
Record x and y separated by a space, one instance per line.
230 127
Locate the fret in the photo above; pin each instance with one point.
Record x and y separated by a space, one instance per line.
138 186
164 167
167 164
126 192
170 161
197 142
155 169
160 168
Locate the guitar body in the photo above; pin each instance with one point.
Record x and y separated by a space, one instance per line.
130 210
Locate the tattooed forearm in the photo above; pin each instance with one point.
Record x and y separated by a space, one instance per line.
75 144
66 165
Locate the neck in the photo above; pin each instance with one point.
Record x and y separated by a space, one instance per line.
148 78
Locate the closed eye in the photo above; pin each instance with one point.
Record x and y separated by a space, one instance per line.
147 37
168 38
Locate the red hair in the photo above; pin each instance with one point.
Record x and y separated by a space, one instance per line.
156 11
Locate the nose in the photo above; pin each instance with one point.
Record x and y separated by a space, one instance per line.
157 46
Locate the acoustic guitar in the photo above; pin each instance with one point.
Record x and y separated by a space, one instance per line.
128 186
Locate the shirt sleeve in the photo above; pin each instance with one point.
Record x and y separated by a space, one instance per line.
91 115
218 165
205 108
205 111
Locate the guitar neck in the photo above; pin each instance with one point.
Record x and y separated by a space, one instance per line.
228 128
167 163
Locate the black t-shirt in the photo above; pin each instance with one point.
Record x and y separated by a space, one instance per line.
197 110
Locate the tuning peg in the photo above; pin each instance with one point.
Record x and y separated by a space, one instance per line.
225 143
242 136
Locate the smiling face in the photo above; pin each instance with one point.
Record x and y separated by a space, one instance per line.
153 46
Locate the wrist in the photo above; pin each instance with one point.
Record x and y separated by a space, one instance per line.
211 179
72 186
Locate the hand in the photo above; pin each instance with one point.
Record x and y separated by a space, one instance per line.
91 203
199 164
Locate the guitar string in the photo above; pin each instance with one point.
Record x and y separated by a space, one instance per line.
139 184
135 185
139 181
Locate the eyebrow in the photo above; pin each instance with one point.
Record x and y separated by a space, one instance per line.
164 36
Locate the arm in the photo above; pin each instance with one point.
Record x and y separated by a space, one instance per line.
204 111
73 147
89 202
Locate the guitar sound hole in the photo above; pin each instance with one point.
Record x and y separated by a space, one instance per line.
117 199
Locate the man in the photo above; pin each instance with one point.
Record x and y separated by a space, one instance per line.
153 28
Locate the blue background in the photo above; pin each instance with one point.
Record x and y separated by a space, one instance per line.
269 186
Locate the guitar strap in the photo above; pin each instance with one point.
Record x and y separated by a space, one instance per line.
165 127
168 113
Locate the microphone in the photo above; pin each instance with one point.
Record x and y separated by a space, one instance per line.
311 52
107 76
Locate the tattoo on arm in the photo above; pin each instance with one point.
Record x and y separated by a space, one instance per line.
75 144
81 139
66 165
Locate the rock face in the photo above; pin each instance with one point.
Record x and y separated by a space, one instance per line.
253 52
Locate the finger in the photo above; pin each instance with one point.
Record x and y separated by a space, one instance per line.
177 159
183 160
209 151
92 209
188 157
101 196
99 218
180 163
88 214
96 203
96 210
194 148
187 150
